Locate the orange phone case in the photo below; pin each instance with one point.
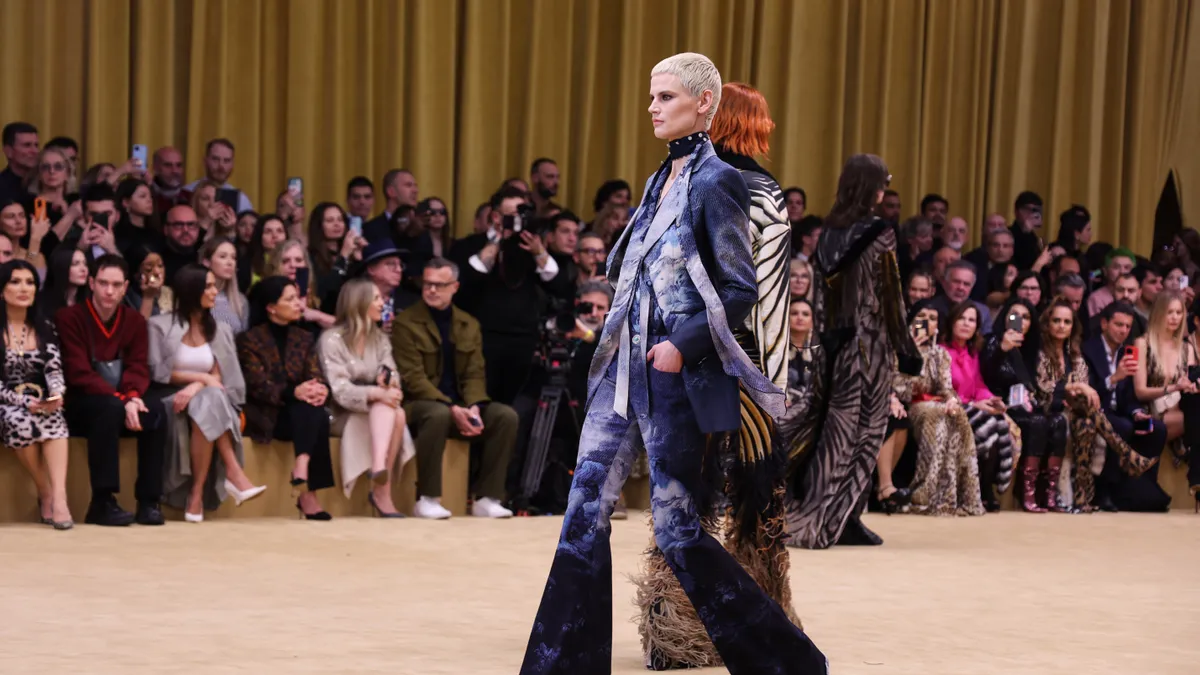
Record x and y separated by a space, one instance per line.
39 209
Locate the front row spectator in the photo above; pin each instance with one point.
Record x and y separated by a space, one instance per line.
985 411
1008 362
439 349
194 366
365 388
286 392
957 282
105 352
31 393
946 482
1112 372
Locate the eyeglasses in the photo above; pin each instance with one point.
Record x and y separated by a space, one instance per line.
436 212
438 285
185 224
54 166
592 251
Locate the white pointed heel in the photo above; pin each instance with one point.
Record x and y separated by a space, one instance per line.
193 517
240 496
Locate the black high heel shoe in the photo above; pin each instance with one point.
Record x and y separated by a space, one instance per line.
894 502
298 485
319 515
1195 493
380 512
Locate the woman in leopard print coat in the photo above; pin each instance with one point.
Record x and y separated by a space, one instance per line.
947 477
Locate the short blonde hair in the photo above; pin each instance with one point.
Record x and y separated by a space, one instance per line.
697 73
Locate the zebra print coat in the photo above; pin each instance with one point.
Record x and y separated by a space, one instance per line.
859 311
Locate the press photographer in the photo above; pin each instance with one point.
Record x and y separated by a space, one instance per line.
503 287
551 405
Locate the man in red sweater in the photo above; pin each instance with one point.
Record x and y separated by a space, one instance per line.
105 347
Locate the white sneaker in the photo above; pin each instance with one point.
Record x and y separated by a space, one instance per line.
486 507
430 507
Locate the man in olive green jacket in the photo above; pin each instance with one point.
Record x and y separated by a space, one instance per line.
439 351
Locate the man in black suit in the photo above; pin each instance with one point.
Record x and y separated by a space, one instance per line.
399 189
1111 371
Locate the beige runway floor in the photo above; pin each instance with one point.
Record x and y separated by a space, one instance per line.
1010 593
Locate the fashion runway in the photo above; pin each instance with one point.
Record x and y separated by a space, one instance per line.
1007 593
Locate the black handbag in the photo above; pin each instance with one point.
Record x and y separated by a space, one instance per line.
109 371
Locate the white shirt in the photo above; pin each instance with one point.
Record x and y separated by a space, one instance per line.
546 271
1114 357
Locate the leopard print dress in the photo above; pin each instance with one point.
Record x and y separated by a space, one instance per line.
21 426
1085 423
946 482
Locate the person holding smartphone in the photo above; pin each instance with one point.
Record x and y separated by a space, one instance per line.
946 481
1112 364
290 259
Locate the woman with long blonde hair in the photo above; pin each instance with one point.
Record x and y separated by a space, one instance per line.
1163 380
287 258
364 385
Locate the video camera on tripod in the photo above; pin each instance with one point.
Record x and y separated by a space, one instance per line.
555 353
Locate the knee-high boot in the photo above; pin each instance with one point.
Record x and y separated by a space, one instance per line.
1053 469
1028 483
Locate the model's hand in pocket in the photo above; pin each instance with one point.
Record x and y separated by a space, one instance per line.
665 358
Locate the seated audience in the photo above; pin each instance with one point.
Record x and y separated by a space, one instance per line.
1166 380
1028 286
25 237
1008 363
439 350
435 219
195 371
137 231
232 309
152 296
105 351
994 446
999 280
365 388
1074 410
332 248
1111 369
1118 263
286 392
181 240
957 283
66 280
947 480
55 182
800 279
269 232
920 286
1125 290
31 395
289 259
6 250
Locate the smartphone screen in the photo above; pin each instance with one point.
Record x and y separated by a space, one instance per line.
1015 322
1183 281
302 281
356 225
139 153
228 197
295 186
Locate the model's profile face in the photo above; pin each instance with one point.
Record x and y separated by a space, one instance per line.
673 110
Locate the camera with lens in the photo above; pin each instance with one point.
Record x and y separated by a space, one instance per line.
521 221
556 349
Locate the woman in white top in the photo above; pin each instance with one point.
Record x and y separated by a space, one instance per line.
220 256
365 387
194 367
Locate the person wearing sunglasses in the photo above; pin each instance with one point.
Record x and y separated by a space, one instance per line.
436 220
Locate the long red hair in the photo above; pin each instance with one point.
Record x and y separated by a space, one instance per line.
743 122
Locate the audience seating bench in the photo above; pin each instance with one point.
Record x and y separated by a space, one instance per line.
265 464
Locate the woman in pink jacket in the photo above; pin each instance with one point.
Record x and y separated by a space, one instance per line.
995 441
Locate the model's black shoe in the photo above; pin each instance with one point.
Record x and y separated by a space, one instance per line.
148 513
857 534
106 512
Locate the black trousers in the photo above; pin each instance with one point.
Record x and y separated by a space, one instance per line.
101 420
1127 492
508 362
1041 435
307 428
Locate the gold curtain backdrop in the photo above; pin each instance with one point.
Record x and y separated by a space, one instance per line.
1088 101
